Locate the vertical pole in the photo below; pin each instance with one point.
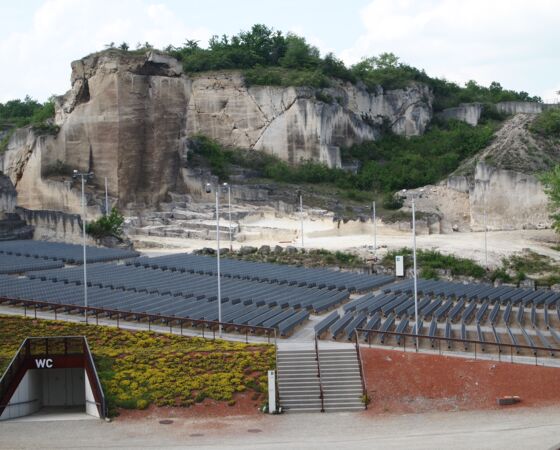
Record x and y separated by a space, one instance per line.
84 247
485 229
229 212
374 232
301 217
218 261
106 198
414 268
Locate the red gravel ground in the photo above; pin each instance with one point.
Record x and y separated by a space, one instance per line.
244 406
399 382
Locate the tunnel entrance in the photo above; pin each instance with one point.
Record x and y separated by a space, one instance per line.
51 374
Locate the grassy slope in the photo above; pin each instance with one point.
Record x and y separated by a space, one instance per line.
138 368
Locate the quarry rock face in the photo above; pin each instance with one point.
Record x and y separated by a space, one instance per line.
501 182
127 117
466 112
291 123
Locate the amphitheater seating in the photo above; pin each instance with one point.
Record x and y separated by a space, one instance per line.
58 251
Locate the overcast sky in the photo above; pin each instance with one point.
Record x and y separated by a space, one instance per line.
514 42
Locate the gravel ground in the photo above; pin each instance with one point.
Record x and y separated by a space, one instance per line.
522 428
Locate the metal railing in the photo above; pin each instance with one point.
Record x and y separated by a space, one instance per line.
97 388
478 346
364 389
321 394
213 325
11 373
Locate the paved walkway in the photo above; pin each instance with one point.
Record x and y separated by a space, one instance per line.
519 428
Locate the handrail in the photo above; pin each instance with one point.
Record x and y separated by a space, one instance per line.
364 390
276 374
213 324
13 367
97 384
465 341
321 394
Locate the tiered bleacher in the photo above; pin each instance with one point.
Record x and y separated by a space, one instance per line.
20 264
184 286
267 272
59 251
524 316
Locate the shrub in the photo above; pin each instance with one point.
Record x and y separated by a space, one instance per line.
110 225
547 123
392 201
429 261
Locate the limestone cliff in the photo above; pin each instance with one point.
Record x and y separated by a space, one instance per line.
501 182
128 116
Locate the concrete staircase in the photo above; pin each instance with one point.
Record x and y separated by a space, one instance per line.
299 385
298 381
340 377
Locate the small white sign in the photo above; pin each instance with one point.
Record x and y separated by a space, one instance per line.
399 266
271 391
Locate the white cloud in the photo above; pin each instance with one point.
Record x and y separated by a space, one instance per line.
37 61
511 41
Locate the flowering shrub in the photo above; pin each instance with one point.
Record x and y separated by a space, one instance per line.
139 368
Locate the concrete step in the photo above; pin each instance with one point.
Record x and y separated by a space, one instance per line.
332 409
303 409
299 398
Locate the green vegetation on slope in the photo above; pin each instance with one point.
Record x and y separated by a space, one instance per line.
138 368
547 124
551 181
269 57
19 113
429 261
392 163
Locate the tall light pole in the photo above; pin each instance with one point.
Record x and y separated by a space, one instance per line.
84 177
229 213
106 198
414 266
485 227
208 191
301 215
374 230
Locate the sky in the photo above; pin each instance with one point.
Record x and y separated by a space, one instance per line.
514 42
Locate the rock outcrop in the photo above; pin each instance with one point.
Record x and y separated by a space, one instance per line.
128 117
292 124
501 183
466 112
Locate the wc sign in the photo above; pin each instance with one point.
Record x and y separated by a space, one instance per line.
44 363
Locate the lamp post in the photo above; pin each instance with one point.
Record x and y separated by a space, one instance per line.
229 213
485 227
414 266
301 215
374 231
106 199
84 176
208 191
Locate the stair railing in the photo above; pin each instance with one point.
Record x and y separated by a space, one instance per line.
364 390
7 380
321 394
